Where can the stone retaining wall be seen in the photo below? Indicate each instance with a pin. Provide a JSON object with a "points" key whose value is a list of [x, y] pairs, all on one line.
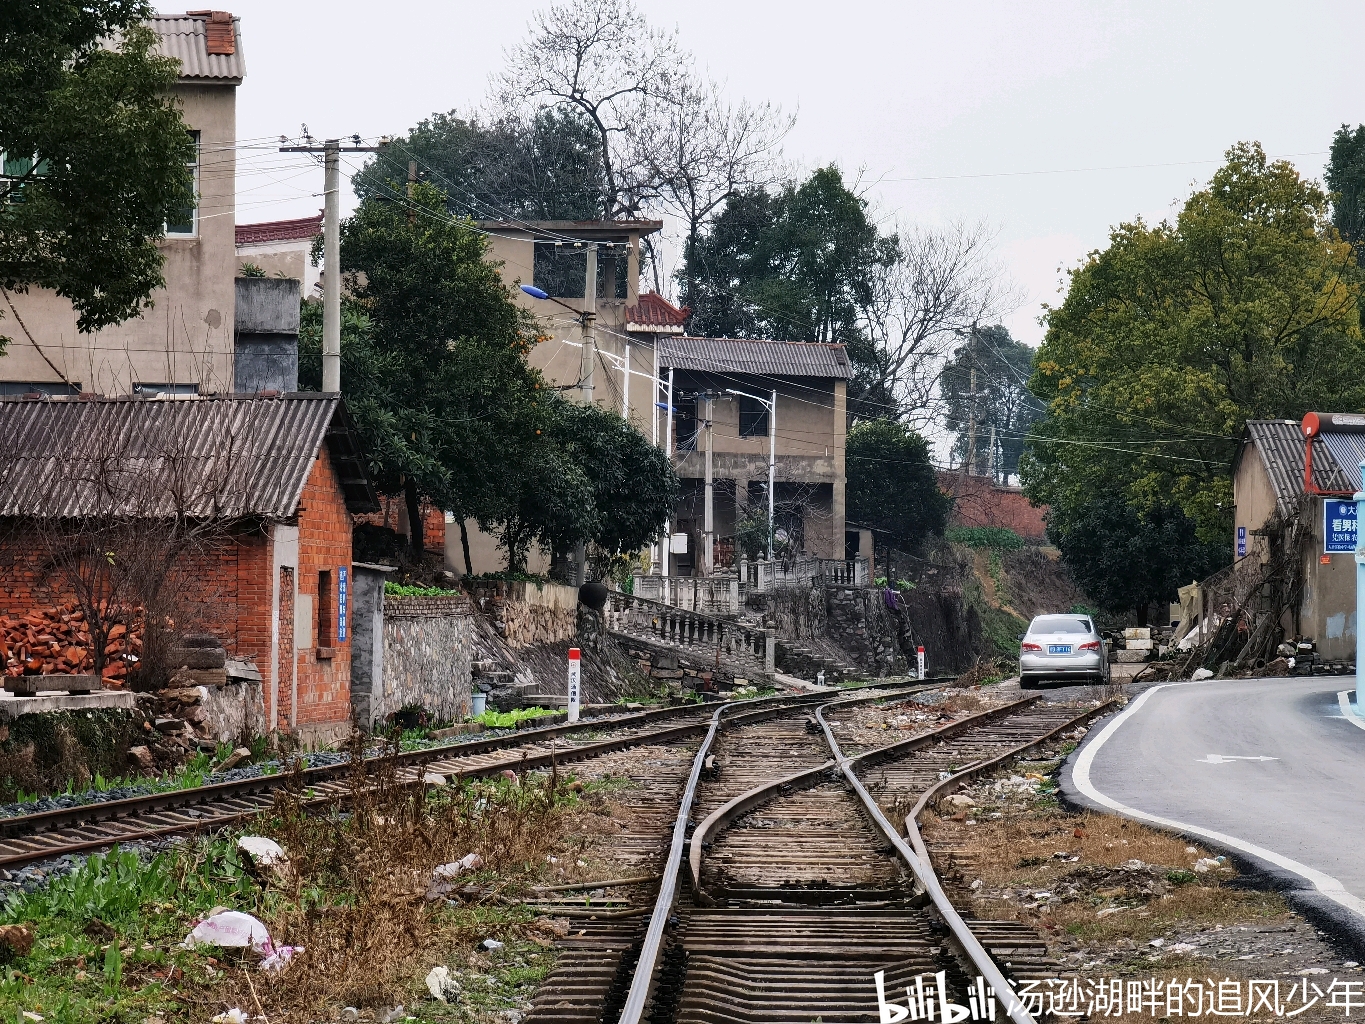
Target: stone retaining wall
{"points": [[428, 656], [858, 620], [524, 614]]}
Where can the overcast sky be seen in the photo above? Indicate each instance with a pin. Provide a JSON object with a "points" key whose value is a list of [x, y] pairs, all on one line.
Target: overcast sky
{"points": [[1052, 121]]}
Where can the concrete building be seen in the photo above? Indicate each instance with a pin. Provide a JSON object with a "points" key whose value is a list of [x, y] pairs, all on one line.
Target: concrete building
{"points": [[183, 344], [638, 338], [722, 393], [1286, 472]]}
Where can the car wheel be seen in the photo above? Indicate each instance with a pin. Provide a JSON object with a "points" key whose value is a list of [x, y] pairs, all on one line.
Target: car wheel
{"points": [[1027, 683]]}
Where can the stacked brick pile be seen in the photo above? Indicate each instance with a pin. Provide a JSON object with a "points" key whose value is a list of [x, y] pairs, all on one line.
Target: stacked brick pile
{"points": [[56, 641], [1135, 647]]}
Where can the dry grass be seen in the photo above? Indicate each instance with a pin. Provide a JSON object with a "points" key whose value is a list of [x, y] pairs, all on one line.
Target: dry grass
{"points": [[357, 897]]}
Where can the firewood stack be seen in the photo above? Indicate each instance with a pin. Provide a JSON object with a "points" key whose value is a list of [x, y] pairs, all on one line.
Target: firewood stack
{"points": [[56, 641]]}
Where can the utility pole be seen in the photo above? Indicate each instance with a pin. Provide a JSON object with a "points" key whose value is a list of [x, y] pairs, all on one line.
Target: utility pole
{"points": [[585, 373], [990, 454], [668, 454], [772, 469], [971, 420], [709, 528], [412, 185], [331, 151]]}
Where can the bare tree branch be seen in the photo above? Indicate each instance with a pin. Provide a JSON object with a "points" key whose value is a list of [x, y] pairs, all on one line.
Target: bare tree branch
{"points": [[943, 282], [602, 57]]}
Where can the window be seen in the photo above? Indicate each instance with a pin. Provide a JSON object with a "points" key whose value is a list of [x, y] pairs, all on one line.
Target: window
{"points": [[561, 269], [685, 424], [753, 417], [147, 388], [24, 387], [184, 222], [16, 173], [325, 608]]}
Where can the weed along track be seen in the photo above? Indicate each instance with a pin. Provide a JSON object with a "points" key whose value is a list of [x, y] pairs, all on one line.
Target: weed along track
{"points": [[89, 827], [788, 889]]}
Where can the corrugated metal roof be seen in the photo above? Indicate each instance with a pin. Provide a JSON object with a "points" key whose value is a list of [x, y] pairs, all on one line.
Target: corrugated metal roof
{"points": [[768, 358], [1349, 452], [185, 37], [220, 455], [1280, 446]]}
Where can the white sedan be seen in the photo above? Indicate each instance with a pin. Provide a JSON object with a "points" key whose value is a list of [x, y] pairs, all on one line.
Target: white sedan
{"points": [[1062, 647]]}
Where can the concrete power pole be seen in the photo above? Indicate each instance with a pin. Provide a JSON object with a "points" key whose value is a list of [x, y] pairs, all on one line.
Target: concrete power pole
{"points": [[331, 257], [971, 419], [331, 151], [708, 523], [586, 372]]}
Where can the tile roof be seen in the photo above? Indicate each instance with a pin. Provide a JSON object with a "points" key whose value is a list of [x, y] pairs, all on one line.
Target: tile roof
{"points": [[208, 45], [279, 230], [246, 455], [655, 314], [1280, 444], [743, 355]]}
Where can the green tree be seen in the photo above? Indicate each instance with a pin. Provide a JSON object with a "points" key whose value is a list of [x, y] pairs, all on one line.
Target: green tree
{"points": [[1127, 558], [892, 487], [999, 403], [1345, 176], [795, 265], [433, 358], [544, 167], [1175, 335], [94, 154], [593, 478]]}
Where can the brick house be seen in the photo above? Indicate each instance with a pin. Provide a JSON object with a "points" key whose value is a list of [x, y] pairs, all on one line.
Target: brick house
{"points": [[283, 475]]}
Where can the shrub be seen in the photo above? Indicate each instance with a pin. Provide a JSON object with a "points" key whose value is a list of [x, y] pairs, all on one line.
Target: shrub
{"points": [[997, 538]]}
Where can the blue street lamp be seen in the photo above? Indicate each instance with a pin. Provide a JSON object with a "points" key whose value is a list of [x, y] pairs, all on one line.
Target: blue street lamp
{"points": [[534, 292]]}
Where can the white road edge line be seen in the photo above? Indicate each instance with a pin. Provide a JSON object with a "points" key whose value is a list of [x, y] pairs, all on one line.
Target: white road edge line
{"points": [[1348, 712], [1323, 883]]}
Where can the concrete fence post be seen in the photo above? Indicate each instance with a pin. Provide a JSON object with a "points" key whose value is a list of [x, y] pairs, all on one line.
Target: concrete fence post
{"points": [[769, 655]]}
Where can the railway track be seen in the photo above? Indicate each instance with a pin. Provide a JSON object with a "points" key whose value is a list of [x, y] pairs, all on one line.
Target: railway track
{"points": [[25, 839], [798, 889]]}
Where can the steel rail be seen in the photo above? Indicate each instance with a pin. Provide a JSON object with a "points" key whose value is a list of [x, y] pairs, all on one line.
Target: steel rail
{"points": [[759, 795], [948, 785], [924, 871], [632, 1012], [125, 813]]}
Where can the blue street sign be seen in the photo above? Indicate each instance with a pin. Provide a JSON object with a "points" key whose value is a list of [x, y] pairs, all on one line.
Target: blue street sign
{"points": [[342, 572], [1338, 526], [1241, 542]]}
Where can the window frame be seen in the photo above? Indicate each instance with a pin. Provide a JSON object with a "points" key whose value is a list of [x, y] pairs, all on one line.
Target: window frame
{"points": [[193, 167], [749, 419], [325, 606]]}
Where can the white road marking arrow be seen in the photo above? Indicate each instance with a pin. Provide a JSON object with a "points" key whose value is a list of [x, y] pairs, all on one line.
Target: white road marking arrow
{"points": [[1229, 758]]}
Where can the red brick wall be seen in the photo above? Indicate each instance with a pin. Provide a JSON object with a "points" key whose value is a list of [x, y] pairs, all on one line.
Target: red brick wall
{"points": [[324, 544], [218, 588], [433, 521], [981, 503]]}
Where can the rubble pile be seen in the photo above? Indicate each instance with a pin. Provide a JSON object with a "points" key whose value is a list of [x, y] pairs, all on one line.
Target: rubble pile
{"points": [[1134, 647], [56, 641]]}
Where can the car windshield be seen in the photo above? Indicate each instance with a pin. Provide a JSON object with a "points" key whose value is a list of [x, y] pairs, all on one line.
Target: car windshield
{"points": [[1059, 624]]}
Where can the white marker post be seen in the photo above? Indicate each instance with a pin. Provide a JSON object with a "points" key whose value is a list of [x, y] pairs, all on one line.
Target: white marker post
{"points": [[919, 657], [575, 681]]}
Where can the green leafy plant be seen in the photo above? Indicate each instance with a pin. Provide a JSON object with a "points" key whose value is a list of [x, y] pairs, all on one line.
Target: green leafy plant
{"points": [[507, 719], [402, 590], [251, 270], [996, 538]]}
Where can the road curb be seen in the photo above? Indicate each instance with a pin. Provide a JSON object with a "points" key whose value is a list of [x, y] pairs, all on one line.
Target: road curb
{"points": [[1345, 928]]}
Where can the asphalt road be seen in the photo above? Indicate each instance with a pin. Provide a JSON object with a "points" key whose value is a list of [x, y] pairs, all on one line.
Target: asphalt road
{"points": [[1268, 769]]}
